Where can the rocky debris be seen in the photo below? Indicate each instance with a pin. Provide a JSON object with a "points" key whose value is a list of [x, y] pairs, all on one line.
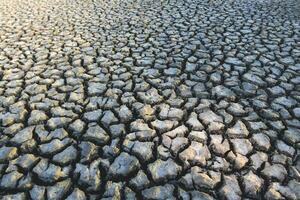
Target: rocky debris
{"points": [[149, 99]]}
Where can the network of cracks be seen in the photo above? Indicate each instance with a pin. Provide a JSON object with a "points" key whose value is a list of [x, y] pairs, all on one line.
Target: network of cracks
{"points": [[111, 99]]}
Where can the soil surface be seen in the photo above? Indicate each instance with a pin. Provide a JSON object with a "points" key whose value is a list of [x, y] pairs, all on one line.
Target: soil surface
{"points": [[111, 99]]}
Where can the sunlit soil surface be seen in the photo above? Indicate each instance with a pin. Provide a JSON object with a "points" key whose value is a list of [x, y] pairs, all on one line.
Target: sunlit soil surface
{"points": [[149, 99]]}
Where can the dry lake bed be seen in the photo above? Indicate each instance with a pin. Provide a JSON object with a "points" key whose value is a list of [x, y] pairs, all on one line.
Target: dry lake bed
{"points": [[160, 99]]}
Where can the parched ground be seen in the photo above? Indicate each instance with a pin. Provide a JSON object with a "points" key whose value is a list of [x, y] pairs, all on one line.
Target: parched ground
{"points": [[135, 99]]}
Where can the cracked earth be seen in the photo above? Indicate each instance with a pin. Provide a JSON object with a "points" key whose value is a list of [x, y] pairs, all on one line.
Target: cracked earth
{"points": [[149, 99]]}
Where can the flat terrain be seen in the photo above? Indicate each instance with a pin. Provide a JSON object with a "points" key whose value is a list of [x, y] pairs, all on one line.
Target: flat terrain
{"points": [[135, 99]]}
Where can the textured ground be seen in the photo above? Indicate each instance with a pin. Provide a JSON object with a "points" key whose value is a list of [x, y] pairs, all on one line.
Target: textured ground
{"points": [[149, 99]]}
